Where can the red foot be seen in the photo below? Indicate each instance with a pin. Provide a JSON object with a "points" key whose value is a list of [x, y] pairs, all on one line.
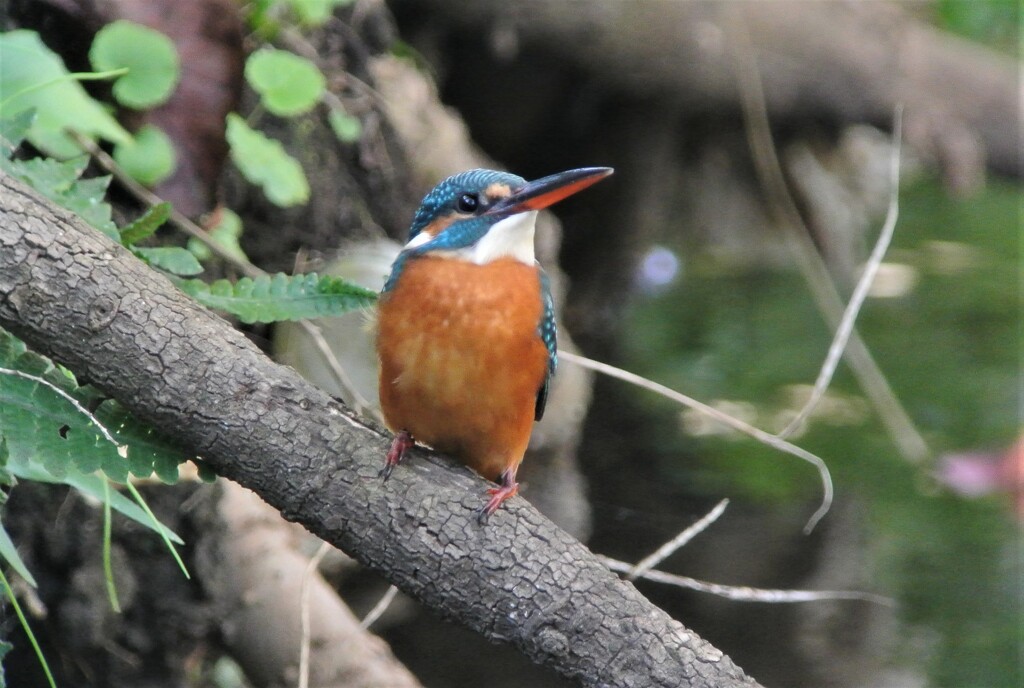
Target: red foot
{"points": [[508, 488], [403, 442]]}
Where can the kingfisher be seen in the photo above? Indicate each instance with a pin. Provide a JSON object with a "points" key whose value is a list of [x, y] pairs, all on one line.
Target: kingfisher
{"points": [[466, 332]]}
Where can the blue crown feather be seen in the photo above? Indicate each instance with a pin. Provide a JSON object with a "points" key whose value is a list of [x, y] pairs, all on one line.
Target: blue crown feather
{"points": [[442, 197]]}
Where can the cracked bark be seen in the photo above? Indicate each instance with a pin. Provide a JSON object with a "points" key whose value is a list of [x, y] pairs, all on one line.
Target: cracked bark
{"points": [[74, 295]]}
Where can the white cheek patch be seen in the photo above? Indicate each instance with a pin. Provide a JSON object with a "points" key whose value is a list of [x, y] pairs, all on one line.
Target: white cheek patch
{"points": [[419, 240], [508, 238]]}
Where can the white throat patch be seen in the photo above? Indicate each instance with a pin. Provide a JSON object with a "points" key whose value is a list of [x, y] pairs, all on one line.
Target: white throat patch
{"points": [[508, 238]]}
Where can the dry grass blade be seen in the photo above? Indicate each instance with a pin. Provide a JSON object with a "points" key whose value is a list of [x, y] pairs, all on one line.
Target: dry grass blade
{"points": [[845, 329], [747, 594], [666, 550], [359, 402], [781, 204], [307, 576], [378, 609], [725, 419]]}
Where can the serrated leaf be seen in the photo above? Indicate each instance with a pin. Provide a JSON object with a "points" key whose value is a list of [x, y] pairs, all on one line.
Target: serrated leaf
{"points": [[33, 77], [41, 425], [45, 430], [173, 259], [281, 297], [145, 226], [85, 199], [48, 176], [59, 182], [264, 162], [14, 129], [149, 158], [150, 57], [347, 128], [148, 451], [288, 85]]}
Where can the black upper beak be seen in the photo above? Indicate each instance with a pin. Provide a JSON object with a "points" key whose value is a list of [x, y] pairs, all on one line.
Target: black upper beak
{"points": [[549, 190]]}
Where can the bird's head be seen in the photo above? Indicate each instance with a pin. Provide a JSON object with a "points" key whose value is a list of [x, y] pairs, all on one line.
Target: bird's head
{"points": [[482, 215]]}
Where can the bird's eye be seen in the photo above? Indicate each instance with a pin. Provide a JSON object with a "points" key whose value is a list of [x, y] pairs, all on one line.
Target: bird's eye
{"points": [[467, 203]]}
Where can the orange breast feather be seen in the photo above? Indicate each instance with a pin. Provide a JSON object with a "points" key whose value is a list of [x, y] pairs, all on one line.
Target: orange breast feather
{"points": [[461, 361]]}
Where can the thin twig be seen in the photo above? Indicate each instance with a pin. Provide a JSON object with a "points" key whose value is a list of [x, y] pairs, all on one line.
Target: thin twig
{"points": [[150, 199], [359, 402], [379, 608], [845, 328], [307, 578], [736, 424], [748, 594], [666, 550], [872, 380]]}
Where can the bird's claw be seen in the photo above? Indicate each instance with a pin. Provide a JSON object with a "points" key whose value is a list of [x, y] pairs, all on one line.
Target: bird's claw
{"points": [[402, 443], [508, 488]]}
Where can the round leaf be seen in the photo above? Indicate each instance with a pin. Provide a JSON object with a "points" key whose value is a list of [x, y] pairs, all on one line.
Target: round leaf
{"points": [[288, 84], [33, 77], [150, 57], [149, 159]]}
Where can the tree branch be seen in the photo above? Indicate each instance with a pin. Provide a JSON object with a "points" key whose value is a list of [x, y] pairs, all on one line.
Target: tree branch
{"points": [[71, 293], [850, 61]]}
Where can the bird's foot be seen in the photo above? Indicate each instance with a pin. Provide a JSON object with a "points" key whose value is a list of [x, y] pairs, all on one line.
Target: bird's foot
{"points": [[507, 488], [402, 443]]}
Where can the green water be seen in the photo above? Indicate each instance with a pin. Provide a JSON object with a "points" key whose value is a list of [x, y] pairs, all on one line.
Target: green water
{"points": [[950, 348]]}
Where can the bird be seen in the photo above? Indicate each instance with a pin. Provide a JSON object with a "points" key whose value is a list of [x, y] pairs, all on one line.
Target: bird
{"points": [[466, 333]]}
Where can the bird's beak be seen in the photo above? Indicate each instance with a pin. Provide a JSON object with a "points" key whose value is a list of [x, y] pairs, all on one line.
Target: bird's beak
{"points": [[549, 190]]}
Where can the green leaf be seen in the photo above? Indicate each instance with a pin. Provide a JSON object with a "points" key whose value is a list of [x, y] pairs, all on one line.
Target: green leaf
{"points": [[149, 158], [148, 451], [264, 162], [45, 431], [13, 599], [6, 477], [145, 226], [316, 12], [33, 77], [281, 297], [150, 57], [93, 485], [288, 84], [48, 176], [226, 234], [173, 259], [13, 131], [9, 553], [84, 198], [347, 128], [59, 182], [5, 647]]}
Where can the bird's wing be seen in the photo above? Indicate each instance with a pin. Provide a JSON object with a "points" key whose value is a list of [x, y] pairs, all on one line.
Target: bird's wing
{"points": [[548, 331]]}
